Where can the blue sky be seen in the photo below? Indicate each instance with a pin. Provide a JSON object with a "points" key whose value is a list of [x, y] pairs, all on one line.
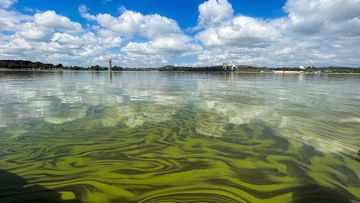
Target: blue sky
{"points": [[185, 12], [151, 33]]}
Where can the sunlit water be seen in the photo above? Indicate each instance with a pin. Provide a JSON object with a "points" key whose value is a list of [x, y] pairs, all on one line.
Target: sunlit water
{"points": [[179, 137]]}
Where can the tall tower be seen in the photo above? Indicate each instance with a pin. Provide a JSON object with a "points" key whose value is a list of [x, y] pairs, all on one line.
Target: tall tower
{"points": [[110, 65]]}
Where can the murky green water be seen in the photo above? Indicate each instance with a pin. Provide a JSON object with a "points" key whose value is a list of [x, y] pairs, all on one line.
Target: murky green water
{"points": [[179, 137]]}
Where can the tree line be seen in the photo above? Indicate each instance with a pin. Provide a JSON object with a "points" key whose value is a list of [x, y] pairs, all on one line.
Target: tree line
{"points": [[29, 65]]}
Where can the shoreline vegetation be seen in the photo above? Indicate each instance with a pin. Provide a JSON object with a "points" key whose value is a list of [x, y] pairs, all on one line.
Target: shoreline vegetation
{"points": [[22, 65]]}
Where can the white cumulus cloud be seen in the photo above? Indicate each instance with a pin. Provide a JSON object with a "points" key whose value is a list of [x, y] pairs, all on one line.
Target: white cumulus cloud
{"points": [[7, 3], [213, 12], [51, 20], [131, 23], [165, 45], [240, 31]]}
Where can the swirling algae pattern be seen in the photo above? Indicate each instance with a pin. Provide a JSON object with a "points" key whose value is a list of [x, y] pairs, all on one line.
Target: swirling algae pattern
{"points": [[170, 161], [182, 151]]}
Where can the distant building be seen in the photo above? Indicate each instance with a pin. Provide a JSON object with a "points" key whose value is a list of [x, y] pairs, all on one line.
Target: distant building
{"points": [[110, 65], [229, 67]]}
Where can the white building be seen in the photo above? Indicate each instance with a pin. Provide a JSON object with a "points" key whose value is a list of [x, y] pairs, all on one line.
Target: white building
{"points": [[229, 67]]}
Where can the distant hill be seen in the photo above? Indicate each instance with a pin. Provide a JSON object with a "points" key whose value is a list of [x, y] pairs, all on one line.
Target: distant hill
{"points": [[188, 68]]}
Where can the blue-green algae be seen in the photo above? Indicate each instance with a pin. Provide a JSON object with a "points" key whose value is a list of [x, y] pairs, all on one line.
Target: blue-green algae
{"points": [[179, 137]]}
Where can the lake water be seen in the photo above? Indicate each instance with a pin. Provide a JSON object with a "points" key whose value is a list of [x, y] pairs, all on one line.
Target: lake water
{"points": [[179, 137]]}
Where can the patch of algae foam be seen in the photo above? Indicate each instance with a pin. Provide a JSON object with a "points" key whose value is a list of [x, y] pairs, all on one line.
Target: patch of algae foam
{"points": [[235, 113], [213, 116], [136, 115], [67, 116], [67, 195]]}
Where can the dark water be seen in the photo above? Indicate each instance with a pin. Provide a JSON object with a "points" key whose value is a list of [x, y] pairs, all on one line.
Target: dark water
{"points": [[179, 137]]}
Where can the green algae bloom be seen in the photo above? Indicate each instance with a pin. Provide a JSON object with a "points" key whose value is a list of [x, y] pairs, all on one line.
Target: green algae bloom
{"points": [[179, 137]]}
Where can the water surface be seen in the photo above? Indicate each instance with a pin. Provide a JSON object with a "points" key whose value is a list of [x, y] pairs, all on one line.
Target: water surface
{"points": [[179, 137]]}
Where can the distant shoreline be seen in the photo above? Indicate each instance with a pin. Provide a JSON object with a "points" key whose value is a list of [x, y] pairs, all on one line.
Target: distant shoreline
{"points": [[169, 71], [29, 66]]}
